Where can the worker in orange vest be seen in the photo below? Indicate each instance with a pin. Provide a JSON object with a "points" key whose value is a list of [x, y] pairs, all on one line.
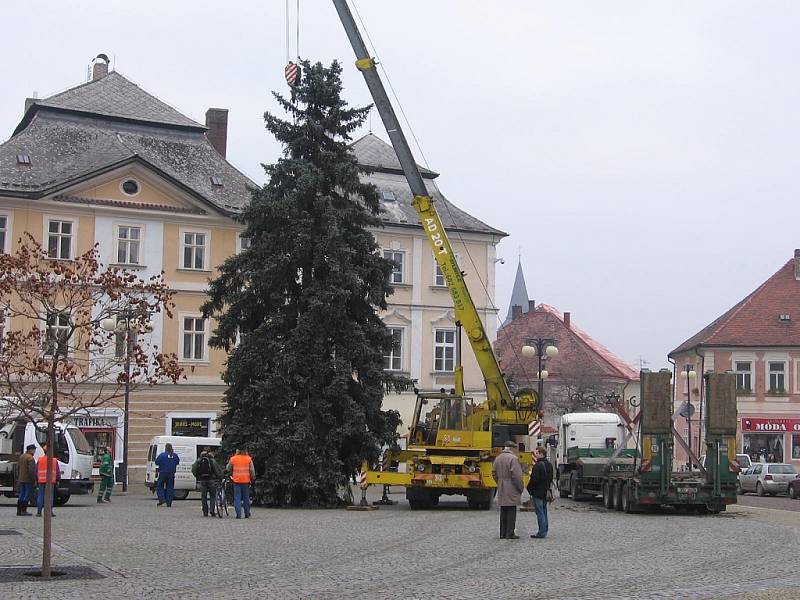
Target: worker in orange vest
{"points": [[243, 473], [41, 478]]}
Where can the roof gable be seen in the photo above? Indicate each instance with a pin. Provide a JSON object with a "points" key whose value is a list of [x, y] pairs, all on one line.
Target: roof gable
{"points": [[754, 321], [115, 97]]}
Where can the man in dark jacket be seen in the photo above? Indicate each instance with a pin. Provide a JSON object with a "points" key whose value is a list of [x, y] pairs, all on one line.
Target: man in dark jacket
{"points": [[208, 474], [167, 463], [541, 479], [26, 479]]}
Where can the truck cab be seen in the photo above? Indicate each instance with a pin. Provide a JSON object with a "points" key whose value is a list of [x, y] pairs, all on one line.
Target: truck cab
{"points": [[73, 452]]}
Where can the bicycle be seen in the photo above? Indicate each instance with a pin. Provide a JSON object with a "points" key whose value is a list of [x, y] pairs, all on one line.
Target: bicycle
{"points": [[220, 499]]}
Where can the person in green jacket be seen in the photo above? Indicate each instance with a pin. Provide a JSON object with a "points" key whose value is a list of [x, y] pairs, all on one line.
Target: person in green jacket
{"points": [[106, 476]]}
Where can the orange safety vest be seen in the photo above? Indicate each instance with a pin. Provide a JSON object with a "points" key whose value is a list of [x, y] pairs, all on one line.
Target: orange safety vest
{"points": [[241, 468], [41, 469]]}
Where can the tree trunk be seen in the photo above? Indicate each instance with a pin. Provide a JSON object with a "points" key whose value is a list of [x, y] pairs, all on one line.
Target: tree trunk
{"points": [[47, 534]]}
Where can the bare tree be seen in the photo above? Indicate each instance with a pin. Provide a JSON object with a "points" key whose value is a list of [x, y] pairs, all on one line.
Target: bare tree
{"points": [[580, 388], [57, 360]]}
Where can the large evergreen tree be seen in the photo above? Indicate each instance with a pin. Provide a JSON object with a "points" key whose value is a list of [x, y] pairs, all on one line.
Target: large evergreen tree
{"points": [[297, 309]]}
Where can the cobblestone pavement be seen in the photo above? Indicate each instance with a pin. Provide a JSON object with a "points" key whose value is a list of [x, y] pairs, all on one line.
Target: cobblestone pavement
{"points": [[449, 553]]}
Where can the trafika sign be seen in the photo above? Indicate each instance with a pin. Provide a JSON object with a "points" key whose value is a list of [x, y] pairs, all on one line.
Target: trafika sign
{"points": [[766, 425]]}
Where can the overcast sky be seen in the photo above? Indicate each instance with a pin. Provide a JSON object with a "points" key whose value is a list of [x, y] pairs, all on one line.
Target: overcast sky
{"points": [[639, 154]]}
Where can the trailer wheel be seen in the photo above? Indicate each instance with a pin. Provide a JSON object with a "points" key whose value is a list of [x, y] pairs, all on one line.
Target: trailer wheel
{"points": [[574, 488], [479, 500], [628, 505], [608, 496], [418, 499], [617, 491]]}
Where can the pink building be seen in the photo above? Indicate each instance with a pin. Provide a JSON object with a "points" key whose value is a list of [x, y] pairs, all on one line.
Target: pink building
{"points": [[759, 340]]}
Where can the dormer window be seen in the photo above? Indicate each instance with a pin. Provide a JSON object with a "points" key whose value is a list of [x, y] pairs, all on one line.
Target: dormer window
{"points": [[23, 159], [785, 317], [388, 196], [216, 181]]}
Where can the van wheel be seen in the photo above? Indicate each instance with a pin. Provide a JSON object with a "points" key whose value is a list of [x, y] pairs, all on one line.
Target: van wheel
{"points": [[181, 494], [61, 499]]}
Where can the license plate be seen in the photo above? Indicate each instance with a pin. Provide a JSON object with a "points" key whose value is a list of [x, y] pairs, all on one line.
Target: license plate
{"points": [[686, 490], [438, 477]]}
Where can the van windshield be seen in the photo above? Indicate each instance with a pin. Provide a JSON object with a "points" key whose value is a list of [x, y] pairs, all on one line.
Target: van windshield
{"points": [[81, 443]]}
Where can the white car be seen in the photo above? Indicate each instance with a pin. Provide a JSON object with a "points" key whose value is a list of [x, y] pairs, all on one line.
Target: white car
{"points": [[767, 478]]}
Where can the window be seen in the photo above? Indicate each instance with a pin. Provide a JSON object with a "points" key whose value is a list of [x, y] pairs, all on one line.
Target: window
{"points": [[763, 447], [3, 232], [388, 196], [194, 250], [244, 243], [396, 257], [744, 381], [130, 187], [56, 335], [194, 338], [796, 446], [438, 276], [777, 376], [129, 241], [59, 239], [444, 350], [393, 361]]}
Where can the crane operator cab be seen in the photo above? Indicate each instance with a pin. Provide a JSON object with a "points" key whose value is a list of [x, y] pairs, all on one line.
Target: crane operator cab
{"points": [[446, 420]]}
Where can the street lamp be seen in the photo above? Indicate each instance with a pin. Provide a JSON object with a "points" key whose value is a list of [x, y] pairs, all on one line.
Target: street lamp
{"points": [[127, 323], [544, 348], [689, 374]]}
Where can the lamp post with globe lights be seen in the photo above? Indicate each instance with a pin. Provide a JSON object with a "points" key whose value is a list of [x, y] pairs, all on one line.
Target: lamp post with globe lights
{"points": [[689, 374], [127, 324], [544, 348]]}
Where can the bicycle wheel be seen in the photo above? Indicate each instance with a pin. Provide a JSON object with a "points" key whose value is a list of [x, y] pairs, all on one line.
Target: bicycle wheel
{"points": [[222, 505]]}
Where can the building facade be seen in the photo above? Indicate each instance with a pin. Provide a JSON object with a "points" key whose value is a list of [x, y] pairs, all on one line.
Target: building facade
{"points": [[107, 164], [759, 340]]}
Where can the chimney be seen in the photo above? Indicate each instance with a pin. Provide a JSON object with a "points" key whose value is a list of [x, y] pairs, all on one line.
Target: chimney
{"points": [[28, 103], [217, 134], [797, 264], [516, 312], [531, 305], [99, 67], [567, 320]]}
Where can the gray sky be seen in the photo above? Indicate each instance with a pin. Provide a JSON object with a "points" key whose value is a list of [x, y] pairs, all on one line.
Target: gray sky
{"points": [[639, 154]]}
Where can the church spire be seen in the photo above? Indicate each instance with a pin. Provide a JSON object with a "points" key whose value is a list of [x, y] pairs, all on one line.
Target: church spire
{"points": [[519, 295]]}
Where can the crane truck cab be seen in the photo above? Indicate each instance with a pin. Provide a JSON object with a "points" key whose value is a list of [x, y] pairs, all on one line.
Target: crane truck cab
{"points": [[72, 450]]}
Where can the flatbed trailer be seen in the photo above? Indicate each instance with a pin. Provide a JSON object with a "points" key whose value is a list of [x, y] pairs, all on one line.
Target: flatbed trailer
{"points": [[633, 480]]}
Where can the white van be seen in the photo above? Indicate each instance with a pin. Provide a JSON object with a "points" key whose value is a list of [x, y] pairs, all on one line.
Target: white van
{"points": [[71, 449], [188, 449]]}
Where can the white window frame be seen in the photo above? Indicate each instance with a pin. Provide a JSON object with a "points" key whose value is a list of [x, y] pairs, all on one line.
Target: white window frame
{"points": [[211, 416], [206, 249], [749, 372], [181, 341], [240, 247], [118, 240], [47, 328], [768, 362], [437, 272], [392, 356], [402, 270], [444, 346], [5, 247], [73, 236]]}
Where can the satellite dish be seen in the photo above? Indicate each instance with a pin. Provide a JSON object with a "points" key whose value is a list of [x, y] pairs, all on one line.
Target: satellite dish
{"points": [[686, 410]]}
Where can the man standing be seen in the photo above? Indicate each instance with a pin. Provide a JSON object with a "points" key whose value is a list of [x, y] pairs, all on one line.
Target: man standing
{"points": [[539, 484], [41, 477], [106, 476], [26, 480], [167, 463], [207, 472], [507, 472], [242, 473]]}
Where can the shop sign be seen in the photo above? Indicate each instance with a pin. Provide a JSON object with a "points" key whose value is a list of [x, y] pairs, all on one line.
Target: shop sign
{"points": [[771, 425], [94, 421]]}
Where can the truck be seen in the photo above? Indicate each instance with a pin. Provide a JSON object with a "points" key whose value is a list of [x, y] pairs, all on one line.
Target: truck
{"points": [[71, 448], [593, 457], [453, 439]]}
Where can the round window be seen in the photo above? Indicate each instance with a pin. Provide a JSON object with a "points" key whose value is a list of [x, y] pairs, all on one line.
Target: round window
{"points": [[130, 187]]}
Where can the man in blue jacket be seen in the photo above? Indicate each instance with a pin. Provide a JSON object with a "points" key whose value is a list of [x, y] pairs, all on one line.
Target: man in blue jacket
{"points": [[167, 463]]}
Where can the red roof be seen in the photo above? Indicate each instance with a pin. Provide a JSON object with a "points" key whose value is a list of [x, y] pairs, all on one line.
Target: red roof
{"points": [[756, 320], [576, 347]]}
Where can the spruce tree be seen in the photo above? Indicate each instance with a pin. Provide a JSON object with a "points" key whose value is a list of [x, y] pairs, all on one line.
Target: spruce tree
{"points": [[297, 310]]}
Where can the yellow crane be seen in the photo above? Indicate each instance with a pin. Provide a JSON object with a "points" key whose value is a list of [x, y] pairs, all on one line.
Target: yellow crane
{"points": [[452, 440]]}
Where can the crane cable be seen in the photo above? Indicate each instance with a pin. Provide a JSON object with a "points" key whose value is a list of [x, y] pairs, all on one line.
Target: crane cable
{"points": [[288, 30], [446, 203]]}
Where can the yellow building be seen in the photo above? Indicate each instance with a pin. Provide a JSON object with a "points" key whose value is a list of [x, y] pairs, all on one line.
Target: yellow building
{"points": [[107, 163]]}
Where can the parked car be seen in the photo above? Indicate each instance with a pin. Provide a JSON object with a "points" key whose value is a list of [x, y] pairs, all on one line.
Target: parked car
{"points": [[767, 478], [794, 488], [742, 459]]}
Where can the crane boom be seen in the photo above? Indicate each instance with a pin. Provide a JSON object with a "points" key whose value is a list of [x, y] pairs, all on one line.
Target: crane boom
{"points": [[497, 391]]}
